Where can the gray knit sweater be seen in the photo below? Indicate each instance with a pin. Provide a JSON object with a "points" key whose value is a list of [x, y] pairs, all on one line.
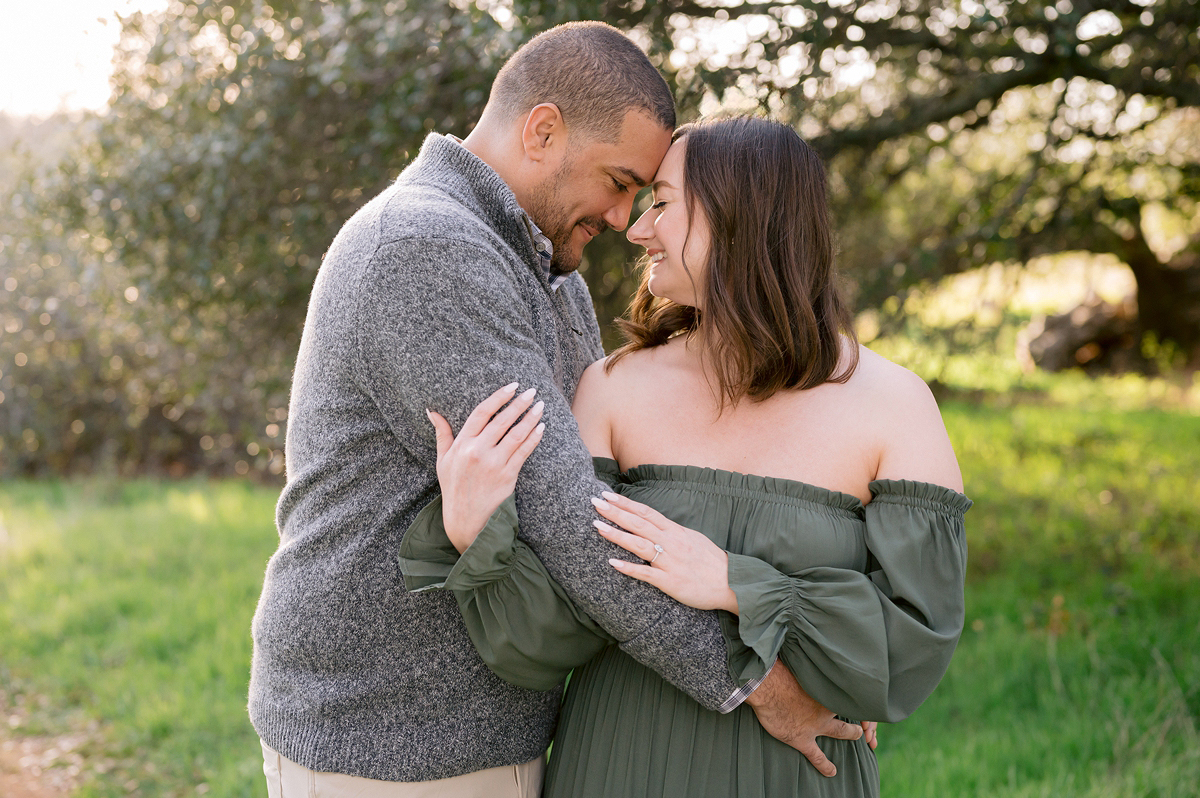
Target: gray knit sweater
{"points": [[431, 296]]}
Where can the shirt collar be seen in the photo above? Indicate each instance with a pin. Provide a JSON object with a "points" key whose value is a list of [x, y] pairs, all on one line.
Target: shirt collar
{"points": [[541, 244]]}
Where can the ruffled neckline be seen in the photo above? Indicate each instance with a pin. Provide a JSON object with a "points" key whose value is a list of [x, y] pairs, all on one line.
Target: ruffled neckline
{"points": [[752, 484]]}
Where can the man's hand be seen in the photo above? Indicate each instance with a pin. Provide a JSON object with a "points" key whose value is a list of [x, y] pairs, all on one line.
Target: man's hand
{"points": [[792, 716], [871, 732]]}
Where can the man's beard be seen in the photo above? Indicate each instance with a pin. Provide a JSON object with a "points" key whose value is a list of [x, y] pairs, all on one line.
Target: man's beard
{"points": [[547, 211]]}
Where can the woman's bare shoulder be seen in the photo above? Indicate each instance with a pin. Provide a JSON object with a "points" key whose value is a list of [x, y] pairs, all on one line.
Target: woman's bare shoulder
{"points": [[608, 375], [635, 368], [888, 386], [593, 385], [898, 405]]}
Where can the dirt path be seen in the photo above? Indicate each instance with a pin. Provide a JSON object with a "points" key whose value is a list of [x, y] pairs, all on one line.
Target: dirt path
{"points": [[37, 767]]}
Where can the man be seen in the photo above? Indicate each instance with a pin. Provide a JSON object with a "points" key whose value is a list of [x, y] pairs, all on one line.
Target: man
{"points": [[456, 280]]}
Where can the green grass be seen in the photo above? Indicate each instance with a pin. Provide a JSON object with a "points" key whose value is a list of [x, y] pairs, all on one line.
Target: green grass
{"points": [[1078, 673], [1066, 491], [1088, 686], [129, 603]]}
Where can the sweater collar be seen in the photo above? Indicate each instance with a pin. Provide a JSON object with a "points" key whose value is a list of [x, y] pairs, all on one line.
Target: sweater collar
{"points": [[444, 162]]}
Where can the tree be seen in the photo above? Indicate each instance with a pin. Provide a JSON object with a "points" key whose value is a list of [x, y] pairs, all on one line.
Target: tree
{"points": [[242, 134], [957, 132]]}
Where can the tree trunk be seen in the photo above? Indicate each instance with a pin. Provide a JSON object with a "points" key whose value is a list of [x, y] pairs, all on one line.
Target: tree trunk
{"points": [[1168, 297]]}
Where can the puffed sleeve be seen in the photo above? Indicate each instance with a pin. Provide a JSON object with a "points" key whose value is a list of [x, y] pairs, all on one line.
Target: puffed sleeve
{"points": [[869, 646], [521, 621]]}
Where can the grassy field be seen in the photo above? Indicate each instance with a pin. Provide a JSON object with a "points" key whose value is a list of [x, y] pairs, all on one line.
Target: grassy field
{"points": [[125, 608], [130, 603]]}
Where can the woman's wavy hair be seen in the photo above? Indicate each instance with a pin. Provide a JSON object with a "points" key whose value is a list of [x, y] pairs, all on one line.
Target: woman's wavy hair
{"points": [[773, 316]]}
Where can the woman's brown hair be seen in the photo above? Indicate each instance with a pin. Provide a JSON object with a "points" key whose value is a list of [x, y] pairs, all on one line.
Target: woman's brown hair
{"points": [[773, 316]]}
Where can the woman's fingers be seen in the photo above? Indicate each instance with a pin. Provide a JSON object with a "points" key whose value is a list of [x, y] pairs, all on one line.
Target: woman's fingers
{"points": [[505, 418], [518, 458], [486, 409], [518, 433], [642, 573], [442, 431], [631, 515], [634, 544]]}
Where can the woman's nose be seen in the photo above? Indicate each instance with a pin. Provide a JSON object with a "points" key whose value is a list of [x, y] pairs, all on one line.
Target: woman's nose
{"points": [[642, 229]]}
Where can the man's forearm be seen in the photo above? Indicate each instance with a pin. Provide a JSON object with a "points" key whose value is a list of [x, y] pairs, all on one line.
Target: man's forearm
{"points": [[686, 646]]}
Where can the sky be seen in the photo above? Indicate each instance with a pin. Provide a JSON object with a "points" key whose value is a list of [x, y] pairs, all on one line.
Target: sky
{"points": [[57, 54]]}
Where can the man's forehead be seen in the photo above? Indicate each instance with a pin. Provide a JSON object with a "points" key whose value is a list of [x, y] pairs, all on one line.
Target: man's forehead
{"points": [[641, 148]]}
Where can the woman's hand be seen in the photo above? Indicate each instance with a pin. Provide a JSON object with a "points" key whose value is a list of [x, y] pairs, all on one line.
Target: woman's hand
{"points": [[680, 562], [478, 469]]}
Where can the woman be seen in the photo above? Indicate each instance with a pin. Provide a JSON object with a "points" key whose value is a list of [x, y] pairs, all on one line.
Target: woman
{"points": [[811, 491]]}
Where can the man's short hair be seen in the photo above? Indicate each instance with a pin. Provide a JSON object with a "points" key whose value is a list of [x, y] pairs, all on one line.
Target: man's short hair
{"points": [[592, 72]]}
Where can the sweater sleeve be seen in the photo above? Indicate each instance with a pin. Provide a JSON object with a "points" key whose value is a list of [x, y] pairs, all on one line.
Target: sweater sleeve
{"points": [[869, 646], [442, 324], [521, 622]]}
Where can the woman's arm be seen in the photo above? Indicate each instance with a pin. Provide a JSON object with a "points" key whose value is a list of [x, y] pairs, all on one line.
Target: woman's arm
{"points": [[530, 633], [913, 440], [866, 645], [521, 622]]}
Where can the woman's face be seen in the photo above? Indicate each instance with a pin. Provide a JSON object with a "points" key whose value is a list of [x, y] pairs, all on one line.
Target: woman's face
{"points": [[677, 254]]}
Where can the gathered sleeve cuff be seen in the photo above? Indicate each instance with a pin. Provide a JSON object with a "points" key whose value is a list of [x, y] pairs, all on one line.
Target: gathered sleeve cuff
{"points": [[521, 622], [869, 646], [426, 554]]}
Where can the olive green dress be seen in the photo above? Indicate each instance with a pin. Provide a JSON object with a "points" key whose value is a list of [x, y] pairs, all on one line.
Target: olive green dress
{"points": [[864, 604]]}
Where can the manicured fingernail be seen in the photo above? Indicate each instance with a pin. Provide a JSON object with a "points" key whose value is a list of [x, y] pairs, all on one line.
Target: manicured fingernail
{"points": [[512, 386], [608, 494], [429, 414], [537, 408], [618, 564], [600, 503], [539, 429], [529, 394]]}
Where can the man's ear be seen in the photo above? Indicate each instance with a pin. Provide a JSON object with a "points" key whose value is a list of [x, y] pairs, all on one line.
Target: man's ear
{"points": [[544, 135]]}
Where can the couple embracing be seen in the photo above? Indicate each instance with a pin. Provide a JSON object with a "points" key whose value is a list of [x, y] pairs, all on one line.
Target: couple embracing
{"points": [[741, 534]]}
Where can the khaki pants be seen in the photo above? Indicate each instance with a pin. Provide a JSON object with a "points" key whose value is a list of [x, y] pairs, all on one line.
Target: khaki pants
{"points": [[287, 779]]}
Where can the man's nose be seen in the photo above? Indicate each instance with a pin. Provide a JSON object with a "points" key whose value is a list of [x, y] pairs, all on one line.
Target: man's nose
{"points": [[618, 215]]}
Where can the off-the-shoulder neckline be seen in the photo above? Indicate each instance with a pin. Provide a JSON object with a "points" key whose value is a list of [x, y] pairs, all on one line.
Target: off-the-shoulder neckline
{"points": [[806, 490]]}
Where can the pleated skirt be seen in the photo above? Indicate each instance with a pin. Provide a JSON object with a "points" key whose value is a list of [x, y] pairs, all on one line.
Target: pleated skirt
{"points": [[624, 732]]}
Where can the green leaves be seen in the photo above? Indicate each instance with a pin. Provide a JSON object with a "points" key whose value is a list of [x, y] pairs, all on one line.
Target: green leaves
{"points": [[243, 133]]}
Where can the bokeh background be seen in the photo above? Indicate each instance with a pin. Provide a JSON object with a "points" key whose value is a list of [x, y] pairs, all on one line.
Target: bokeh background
{"points": [[1015, 186]]}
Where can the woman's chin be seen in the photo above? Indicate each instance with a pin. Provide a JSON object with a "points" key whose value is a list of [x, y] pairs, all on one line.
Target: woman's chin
{"points": [[678, 297], [658, 287]]}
